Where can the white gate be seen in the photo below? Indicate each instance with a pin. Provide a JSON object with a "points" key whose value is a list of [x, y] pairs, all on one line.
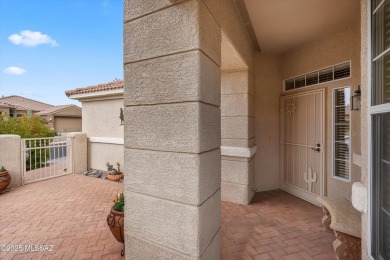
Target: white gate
{"points": [[45, 158]]}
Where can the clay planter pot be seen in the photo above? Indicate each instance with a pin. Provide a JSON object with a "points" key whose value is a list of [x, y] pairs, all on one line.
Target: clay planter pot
{"points": [[5, 180], [115, 177], [115, 221]]}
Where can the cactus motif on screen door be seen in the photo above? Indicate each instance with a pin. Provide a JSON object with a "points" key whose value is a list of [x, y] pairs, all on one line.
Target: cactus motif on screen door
{"points": [[303, 141]]}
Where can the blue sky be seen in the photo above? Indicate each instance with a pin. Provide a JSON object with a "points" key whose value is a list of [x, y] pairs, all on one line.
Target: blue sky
{"points": [[50, 46]]}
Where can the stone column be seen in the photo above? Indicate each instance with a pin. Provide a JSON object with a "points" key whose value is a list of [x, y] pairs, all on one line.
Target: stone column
{"points": [[172, 130], [238, 136]]}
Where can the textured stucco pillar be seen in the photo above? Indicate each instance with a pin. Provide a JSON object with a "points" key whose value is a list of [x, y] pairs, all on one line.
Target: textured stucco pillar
{"points": [[238, 136], [172, 130], [78, 160], [365, 83], [10, 158]]}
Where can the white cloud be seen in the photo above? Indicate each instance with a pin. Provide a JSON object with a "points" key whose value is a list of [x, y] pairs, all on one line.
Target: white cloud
{"points": [[14, 71], [31, 39]]}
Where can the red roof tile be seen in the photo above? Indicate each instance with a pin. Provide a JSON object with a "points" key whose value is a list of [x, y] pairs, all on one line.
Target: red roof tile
{"points": [[101, 87]]}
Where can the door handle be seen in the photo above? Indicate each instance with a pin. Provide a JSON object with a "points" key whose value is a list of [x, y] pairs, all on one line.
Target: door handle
{"points": [[316, 149]]}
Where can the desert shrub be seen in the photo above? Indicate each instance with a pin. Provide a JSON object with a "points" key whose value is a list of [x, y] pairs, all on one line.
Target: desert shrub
{"points": [[26, 127], [29, 127]]}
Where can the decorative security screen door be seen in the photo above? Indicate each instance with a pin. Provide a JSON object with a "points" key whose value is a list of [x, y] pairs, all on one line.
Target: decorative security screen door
{"points": [[302, 138]]}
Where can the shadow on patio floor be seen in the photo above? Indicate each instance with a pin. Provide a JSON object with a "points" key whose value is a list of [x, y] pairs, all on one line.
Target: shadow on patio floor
{"points": [[276, 225]]}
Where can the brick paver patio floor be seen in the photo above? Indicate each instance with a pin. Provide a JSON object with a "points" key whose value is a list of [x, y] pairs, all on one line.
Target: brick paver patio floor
{"points": [[67, 212], [70, 213], [276, 225]]}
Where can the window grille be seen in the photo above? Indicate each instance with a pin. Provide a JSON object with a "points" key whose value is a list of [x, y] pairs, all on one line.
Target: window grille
{"points": [[341, 136], [320, 76]]}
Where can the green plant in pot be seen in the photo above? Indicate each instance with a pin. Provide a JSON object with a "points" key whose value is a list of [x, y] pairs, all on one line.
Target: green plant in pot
{"points": [[115, 219], [5, 179]]}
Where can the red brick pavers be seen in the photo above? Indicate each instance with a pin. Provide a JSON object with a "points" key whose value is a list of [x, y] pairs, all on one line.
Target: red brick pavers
{"points": [[68, 212], [276, 225]]}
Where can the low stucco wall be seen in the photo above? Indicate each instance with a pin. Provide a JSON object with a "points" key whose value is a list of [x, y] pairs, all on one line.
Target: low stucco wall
{"points": [[101, 153], [10, 158], [78, 161]]}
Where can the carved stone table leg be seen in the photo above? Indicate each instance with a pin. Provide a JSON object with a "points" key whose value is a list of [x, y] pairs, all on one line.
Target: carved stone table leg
{"points": [[326, 220], [346, 246]]}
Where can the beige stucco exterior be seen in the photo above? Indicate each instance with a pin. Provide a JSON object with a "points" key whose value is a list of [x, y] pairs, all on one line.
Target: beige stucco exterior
{"points": [[4, 110], [10, 158], [99, 153], [103, 127], [67, 124], [101, 118], [268, 71], [365, 83], [338, 47]]}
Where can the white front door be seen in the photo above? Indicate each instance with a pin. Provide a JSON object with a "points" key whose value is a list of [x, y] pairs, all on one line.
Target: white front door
{"points": [[302, 138]]}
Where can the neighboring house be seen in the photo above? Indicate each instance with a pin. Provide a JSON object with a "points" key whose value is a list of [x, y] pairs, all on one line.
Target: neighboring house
{"points": [[5, 109], [100, 121], [21, 105], [61, 119]]}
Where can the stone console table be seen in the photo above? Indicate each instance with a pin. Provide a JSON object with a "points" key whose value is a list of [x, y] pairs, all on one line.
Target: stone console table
{"points": [[345, 221]]}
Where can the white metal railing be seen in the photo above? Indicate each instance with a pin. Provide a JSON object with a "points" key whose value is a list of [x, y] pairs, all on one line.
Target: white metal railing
{"points": [[45, 158]]}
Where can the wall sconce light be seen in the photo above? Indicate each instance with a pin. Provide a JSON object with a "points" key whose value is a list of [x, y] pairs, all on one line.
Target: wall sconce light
{"points": [[355, 99]]}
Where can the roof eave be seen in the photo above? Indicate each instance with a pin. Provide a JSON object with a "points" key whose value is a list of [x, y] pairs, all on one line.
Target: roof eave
{"points": [[97, 94]]}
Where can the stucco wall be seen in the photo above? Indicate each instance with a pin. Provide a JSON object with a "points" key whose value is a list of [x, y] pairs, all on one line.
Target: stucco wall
{"points": [[268, 81], [101, 118], [365, 77], [343, 45], [4, 110], [101, 153], [10, 158], [67, 124], [234, 35]]}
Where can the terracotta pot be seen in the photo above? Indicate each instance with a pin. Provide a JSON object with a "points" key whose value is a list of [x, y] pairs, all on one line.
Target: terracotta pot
{"points": [[115, 221], [5, 180], [115, 177]]}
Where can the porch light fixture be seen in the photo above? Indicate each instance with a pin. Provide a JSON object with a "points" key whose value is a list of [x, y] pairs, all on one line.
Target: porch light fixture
{"points": [[355, 100]]}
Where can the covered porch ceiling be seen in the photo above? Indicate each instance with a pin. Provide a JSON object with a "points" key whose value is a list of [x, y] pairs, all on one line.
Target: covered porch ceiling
{"points": [[282, 25]]}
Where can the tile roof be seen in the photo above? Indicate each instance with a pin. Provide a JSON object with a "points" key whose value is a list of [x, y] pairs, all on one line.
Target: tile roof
{"points": [[56, 109], [97, 88], [5, 105], [23, 103]]}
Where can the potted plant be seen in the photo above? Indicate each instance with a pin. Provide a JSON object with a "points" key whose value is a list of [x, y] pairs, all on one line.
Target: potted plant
{"points": [[115, 219], [114, 174], [5, 179]]}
